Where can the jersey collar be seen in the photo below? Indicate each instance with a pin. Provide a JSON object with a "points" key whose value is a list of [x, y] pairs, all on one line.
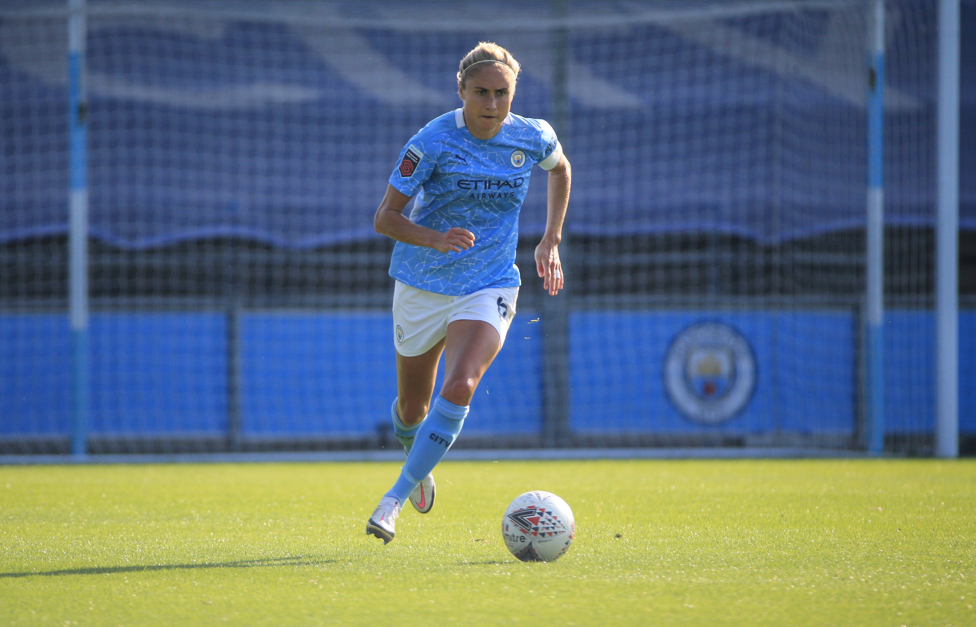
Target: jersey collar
{"points": [[459, 118]]}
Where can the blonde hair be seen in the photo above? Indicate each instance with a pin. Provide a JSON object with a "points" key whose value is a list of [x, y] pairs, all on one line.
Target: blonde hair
{"points": [[484, 53]]}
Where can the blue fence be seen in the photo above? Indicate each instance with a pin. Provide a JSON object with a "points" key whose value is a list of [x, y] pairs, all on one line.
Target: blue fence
{"points": [[332, 375]]}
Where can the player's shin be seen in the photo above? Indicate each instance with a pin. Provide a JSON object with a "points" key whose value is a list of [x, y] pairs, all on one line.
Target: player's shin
{"points": [[434, 438], [402, 432]]}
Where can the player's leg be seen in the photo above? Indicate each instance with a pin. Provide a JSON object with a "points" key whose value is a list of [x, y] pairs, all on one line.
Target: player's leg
{"points": [[472, 340], [415, 386], [419, 320], [416, 376], [475, 334], [469, 349], [419, 327]]}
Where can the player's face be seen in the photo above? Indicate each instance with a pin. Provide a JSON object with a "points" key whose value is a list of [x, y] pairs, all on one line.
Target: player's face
{"points": [[487, 96]]}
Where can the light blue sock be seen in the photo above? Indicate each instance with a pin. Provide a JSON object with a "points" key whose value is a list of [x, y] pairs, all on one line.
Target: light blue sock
{"points": [[434, 437], [402, 432]]}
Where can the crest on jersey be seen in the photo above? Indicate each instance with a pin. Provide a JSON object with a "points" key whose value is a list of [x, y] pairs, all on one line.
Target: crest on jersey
{"points": [[518, 159], [411, 159]]}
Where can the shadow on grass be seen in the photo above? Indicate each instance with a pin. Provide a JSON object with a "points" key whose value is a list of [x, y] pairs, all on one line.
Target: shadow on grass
{"points": [[297, 560], [485, 563]]}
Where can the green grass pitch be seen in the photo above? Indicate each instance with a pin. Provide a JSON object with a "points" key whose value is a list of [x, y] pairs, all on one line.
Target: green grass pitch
{"points": [[749, 542]]}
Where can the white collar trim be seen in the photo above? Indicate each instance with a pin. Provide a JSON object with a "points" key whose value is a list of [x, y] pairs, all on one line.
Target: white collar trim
{"points": [[459, 117]]}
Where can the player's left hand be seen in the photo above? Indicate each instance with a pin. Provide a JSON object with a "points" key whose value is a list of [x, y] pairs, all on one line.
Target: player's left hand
{"points": [[549, 267]]}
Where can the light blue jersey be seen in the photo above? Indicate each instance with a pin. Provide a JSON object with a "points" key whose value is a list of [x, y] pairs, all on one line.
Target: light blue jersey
{"points": [[460, 180]]}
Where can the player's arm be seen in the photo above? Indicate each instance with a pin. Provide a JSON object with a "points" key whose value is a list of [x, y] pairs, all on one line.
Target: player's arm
{"points": [[547, 260], [390, 221]]}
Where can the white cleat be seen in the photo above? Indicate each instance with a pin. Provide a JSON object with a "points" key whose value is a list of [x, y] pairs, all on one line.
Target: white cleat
{"points": [[383, 521], [422, 497]]}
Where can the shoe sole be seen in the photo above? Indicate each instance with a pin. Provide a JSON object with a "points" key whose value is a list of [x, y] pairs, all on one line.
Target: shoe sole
{"points": [[372, 529]]}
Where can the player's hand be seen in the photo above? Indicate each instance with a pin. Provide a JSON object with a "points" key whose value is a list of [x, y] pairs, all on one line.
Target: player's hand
{"points": [[454, 240], [549, 267]]}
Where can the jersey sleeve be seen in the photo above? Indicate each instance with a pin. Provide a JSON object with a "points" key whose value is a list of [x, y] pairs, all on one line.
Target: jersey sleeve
{"points": [[551, 151], [413, 168]]}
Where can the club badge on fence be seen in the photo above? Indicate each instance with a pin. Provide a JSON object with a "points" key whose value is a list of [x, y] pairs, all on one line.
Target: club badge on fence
{"points": [[710, 372]]}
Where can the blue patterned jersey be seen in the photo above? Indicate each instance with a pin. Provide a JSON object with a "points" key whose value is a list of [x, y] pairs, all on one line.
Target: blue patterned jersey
{"points": [[460, 180]]}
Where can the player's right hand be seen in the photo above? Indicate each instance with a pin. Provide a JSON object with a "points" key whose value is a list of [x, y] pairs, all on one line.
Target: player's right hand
{"points": [[454, 240]]}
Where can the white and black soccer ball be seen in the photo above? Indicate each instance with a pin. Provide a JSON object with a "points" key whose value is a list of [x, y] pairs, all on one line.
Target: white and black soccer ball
{"points": [[538, 527]]}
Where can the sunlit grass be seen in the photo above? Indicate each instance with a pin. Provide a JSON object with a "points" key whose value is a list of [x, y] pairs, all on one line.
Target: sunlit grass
{"points": [[705, 542]]}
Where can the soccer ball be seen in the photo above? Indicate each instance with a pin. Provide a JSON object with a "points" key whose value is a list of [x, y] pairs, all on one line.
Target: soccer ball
{"points": [[538, 527]]}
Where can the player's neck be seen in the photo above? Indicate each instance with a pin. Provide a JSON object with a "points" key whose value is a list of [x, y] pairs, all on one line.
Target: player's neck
{"points": [[483, 134]]}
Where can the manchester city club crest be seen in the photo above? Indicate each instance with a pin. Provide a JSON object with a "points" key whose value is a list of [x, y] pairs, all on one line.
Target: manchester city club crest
{"points": [[710, 372], [518, 159]]}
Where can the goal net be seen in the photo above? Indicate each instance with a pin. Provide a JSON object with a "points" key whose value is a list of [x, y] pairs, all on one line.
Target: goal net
{"points": [[238, 295]]}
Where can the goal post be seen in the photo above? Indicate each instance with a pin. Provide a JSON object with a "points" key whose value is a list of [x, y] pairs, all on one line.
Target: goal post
{"points": [[874, 301], [947, 234], [78, 231]]}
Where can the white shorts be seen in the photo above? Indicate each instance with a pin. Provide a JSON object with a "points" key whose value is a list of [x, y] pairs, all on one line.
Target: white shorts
{"points": [[420, 318]]}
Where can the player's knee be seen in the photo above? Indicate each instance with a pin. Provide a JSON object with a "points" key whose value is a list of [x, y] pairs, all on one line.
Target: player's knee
{"points": [[460, 391]]}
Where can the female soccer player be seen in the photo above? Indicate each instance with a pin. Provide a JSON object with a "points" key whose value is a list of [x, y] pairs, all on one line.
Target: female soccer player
{"points": [[454, 260]]}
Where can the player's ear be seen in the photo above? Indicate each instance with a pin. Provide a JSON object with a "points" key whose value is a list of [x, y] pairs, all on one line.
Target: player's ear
{"points": [[460, 91]]}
